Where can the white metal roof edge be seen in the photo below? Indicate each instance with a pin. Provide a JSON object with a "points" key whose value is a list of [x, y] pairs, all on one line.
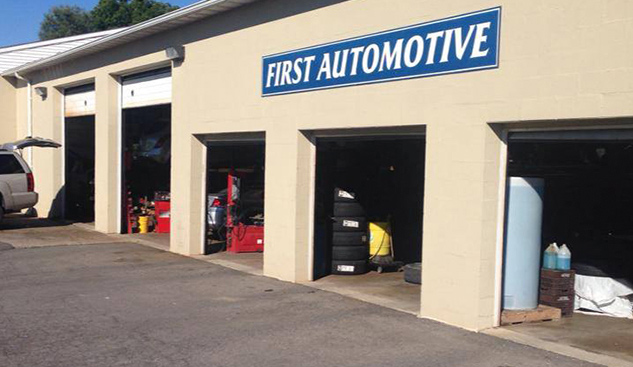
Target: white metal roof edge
{"points": [[130, 33], [56, 41]]}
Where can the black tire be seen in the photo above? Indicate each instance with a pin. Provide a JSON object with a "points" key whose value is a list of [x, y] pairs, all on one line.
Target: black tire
{"points": [[349, 224], [348, 209], [1, 210], [349, 267], [349, 238], [345, 253], [413, 273], [344, 196]]}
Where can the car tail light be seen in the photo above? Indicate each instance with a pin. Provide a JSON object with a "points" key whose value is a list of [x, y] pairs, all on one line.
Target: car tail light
{"points": [[216, 202], [30, 182]]}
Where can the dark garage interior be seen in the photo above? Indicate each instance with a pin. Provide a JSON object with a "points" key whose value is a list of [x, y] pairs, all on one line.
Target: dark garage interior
{"points": [[386, 175], [146, 162], [235, 223], [587, 199], [586, 205], [80, 168]]}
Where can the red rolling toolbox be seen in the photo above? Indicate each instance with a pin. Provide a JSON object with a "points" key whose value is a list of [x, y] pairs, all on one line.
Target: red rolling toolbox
{"points": [[162, 212]]}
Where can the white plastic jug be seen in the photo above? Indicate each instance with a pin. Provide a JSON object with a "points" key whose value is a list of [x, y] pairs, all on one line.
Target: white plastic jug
{"points": [[563, 260]]}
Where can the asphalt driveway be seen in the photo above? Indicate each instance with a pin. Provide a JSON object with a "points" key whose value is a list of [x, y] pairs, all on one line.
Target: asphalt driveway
{"points": [[128, 305]]}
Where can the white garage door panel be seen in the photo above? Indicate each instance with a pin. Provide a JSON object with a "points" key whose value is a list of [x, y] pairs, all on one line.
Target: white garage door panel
{"points": [[147, 90], [574, 135], [79, 104]]}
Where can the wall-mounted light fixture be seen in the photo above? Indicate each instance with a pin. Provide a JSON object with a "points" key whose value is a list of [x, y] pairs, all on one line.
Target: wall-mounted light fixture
{"points": [[41, 91], [175, 53]]}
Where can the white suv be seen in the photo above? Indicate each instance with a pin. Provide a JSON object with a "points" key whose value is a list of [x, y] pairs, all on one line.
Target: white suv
{"points": [[17, 188]]}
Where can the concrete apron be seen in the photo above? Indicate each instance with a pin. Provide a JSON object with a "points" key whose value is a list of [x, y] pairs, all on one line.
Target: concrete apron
{"points": [[250, 263], [21, 232], [387, 290]]}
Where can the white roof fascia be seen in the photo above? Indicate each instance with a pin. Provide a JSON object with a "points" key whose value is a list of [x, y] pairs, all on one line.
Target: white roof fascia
{"points": [[185, 15]]}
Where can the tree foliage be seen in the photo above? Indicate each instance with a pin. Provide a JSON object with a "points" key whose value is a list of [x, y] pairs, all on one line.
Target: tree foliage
{"points": [[142, 10], [64, 21]]}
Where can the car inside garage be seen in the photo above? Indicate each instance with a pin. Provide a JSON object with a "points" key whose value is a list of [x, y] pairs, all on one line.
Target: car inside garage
{"points": [[235, 202], [572, 189], [369, 198]]}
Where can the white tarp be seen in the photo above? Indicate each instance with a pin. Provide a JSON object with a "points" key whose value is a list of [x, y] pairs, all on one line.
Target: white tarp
{"points": [[605, 295]]}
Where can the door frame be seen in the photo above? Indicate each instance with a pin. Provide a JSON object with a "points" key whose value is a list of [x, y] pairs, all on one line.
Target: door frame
{"points": [[504, 131], [361, 132]]}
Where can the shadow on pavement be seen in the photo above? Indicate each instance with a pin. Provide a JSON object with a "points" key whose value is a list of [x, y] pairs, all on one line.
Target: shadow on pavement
{"points": [[20, 221]]}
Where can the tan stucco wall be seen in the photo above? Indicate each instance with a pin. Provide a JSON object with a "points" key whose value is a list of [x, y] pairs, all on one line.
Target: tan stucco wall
{"points": [[555, 63], [8, 108]]}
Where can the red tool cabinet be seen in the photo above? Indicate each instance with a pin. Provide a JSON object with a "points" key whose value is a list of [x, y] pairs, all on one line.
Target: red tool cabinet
{"points": [[163, 216]]}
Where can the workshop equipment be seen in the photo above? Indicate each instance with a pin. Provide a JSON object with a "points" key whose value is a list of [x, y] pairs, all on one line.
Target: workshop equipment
{"points": [[240, 237], [162, 209], [381, 253], [143, 224], [379, 239]]}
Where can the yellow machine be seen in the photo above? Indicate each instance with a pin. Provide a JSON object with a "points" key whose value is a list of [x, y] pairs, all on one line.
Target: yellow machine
{"points": [[379, 239], [143, 224]]}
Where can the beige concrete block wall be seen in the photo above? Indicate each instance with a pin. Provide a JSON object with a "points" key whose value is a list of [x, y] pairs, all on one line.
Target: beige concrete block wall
{"points": [[559, 60], [47, 163], [107, 158], [188, 195], [21, 109], [8, 111]]}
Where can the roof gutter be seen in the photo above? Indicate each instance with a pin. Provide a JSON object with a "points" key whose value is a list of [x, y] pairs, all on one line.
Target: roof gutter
{"points": [[182, 12]]}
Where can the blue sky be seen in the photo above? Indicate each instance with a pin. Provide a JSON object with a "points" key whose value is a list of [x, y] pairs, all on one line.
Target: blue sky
{"points": [[21, 18]]}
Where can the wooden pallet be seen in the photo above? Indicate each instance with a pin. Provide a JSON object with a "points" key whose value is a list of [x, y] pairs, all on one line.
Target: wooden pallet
{"points": [[541, 313]]}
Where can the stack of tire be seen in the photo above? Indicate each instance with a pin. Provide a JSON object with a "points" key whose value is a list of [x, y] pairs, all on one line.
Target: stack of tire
{"points": [[350, 249]]}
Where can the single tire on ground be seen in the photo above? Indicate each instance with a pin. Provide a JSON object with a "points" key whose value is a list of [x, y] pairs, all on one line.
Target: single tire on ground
{"points": [[349, 267], [349, 224], [348, 210], [344, 196], [413, 273], [345, 253], [349, 238]]}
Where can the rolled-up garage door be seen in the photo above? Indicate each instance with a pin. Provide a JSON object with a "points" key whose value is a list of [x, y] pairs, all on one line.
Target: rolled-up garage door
{"points": [[79, 101], [573, 135], [147, 89]]}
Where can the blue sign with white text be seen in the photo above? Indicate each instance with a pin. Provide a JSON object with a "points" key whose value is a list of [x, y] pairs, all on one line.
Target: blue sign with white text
{"points": [[462, 43]]}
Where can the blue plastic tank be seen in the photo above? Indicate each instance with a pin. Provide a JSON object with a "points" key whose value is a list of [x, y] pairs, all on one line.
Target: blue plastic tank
{"points": [[522, 257]]}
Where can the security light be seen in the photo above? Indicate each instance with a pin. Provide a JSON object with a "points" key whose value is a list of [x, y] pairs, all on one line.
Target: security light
{"points": [[41, 91], [175, 53]]}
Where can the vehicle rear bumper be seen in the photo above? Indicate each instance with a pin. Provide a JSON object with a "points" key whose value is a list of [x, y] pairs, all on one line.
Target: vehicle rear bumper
{"points": [[24, 201]]}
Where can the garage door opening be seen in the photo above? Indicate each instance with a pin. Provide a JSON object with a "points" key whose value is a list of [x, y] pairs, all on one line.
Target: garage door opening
{"points": [[79, 153], [369, 196], [572, 188], [147, 165], [146, 161], [235, 203]]}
